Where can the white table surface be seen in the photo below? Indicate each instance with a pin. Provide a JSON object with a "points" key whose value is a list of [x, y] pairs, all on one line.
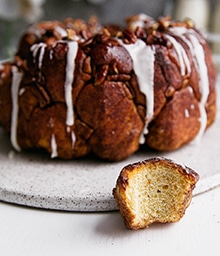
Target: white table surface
{"points": [[28, 231]]}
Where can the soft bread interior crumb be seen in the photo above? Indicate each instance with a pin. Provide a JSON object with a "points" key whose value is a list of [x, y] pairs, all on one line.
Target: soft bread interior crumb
{"points": [[157, 194]]}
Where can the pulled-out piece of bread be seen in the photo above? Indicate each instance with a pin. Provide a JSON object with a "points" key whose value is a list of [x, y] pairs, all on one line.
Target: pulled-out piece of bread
{"points": [[154, 190]]}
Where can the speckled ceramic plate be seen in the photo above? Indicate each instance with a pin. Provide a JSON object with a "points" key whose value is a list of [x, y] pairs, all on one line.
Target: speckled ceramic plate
{"points": [[32, 179]]}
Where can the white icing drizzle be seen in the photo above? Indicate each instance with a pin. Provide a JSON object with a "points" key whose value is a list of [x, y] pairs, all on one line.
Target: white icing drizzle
{"points": [[54, 152], [193, 40], [21, 91], [143, 57], [61, 31], [73, 137], [182, 56], [38, 47], [70, 67], [51, 54], [199, 57], [203, 83], [16, 80], [41, 55], [68, 129], [187, 113]]}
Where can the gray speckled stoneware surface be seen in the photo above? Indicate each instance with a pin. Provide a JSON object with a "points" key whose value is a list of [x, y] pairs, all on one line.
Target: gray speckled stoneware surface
{"points": [[33, 179]]}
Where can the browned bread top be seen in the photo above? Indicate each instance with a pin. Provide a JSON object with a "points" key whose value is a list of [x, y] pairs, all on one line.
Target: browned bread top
{"points": [[76, 87]]}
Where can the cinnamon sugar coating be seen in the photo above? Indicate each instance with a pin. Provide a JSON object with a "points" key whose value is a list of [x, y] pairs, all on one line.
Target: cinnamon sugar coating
{"points": [[105, 89]]}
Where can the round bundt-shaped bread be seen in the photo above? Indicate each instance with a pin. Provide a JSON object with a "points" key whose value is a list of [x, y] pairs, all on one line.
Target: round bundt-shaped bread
{"points": [[76, 87]]}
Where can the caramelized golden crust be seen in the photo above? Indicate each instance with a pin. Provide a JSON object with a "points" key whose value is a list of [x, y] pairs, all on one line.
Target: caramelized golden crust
{"points": [[5, 96], [154, 190], [183, 122], [108, 89]]}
